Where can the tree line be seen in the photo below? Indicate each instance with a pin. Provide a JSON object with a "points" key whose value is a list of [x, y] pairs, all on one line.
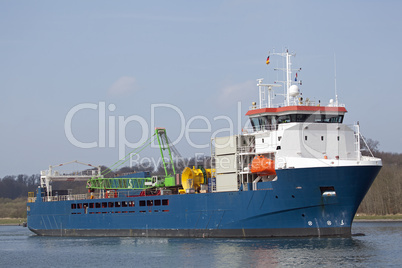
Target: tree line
{"points": [[384, 196], [12, 187]]}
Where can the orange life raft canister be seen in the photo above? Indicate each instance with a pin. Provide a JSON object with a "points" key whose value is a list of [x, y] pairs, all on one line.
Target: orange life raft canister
{"points": [[263, 165]]}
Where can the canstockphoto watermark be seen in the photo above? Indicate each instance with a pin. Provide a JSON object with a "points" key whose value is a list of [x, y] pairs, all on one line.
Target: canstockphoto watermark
{"points": [[112, 126]]}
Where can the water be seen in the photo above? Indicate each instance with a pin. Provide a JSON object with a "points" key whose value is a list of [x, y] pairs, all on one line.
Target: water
{"points": [[380, 247]]}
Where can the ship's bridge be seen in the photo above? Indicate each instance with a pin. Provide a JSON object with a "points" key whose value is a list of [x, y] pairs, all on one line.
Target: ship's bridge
{"points": [[295, 133], [269, 118]]}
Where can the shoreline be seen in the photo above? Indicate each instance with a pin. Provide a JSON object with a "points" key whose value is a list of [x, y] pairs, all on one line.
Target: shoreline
{"points": [[377, 220], [12, 221]]}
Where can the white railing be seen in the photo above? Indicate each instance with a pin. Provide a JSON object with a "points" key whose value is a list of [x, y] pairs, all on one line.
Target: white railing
{"points": [[65, 197], [259, 128], [369, 158], [70, 173], [246, 149], [99, 195], [31, 199], [303, 103], [255, 107]]}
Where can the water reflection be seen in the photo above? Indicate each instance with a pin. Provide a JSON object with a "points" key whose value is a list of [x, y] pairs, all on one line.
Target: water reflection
{"points": [[380, 247], [213, 252], [274, 252]]}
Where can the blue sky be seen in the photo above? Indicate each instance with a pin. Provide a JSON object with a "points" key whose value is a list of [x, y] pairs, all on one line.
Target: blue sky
{"points": [[201, 57]]}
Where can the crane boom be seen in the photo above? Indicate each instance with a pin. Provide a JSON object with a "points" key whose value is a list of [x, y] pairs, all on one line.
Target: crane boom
{"points": [[164, 145], [141, 183]]}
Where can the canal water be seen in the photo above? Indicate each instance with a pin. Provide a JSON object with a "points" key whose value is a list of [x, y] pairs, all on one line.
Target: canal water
{"points": [[380, 246]]}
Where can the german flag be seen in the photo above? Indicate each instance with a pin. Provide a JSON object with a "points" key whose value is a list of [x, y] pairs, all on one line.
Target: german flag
{"points": [[267, 60]]}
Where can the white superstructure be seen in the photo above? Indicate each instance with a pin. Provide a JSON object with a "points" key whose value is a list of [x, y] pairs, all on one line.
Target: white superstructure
{"points": [[47, 176], [297, 133]]}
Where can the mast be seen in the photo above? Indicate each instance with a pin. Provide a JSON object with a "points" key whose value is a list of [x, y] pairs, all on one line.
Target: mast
{"points": [[288, 77], [262, 87], [288, 71], [336, 91]]}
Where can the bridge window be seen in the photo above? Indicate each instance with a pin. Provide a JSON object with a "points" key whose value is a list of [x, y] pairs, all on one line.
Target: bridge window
{"points": [[157, 202], [165, 202], [142, 203], [333, 119], [260, 123], [285, 119], [313, 118], [256, 123]]}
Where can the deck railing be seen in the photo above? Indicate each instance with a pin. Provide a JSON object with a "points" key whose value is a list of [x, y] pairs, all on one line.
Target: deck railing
{"points": [[31, 199], [98, 195], [65, 197]]}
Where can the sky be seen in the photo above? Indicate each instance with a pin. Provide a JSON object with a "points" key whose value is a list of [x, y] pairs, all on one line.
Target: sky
{"points": [[88, 80]]}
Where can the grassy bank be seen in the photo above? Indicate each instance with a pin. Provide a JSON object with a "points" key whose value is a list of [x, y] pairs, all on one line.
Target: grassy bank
{"points": [[13, 208], [12, 221], [378, 217]]}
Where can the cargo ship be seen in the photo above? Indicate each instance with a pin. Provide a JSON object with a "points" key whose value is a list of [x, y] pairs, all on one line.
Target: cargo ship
{"points": [[298, 170]]}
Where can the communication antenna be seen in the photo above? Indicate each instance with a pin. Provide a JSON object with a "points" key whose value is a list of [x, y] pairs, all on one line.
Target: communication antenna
{"points": [[336, 91]]}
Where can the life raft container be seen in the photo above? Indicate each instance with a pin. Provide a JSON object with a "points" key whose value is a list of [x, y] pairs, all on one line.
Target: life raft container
{"points": [[263, 166]]}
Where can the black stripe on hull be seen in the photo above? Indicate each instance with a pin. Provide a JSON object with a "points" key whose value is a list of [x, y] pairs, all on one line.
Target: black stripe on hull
{"points": [[197, 233]]}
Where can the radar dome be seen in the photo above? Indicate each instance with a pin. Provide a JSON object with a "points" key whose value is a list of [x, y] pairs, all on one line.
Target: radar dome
{"points": [[294, 91]]}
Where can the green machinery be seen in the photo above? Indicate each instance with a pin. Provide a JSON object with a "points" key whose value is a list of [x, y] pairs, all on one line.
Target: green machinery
{"points": [[164, 145], [168, 180]]}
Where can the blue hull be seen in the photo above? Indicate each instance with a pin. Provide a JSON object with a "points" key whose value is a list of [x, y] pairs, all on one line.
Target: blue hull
{"points": [[294, 205]]}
